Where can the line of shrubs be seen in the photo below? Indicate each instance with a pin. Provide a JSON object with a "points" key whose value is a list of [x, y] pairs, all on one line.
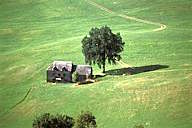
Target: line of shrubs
{"points": [[84, 120]]}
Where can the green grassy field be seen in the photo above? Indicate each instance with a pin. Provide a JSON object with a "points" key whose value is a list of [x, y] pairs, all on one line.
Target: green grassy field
{"points": [[33, 34]]}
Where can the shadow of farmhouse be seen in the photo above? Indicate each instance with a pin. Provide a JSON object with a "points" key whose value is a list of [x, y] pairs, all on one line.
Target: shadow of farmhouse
{"points": [[135, 70]]}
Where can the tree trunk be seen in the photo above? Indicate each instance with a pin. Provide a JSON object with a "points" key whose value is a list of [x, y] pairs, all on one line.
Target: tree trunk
{"points": [[104, 67], [104, 64], [104, 61]]}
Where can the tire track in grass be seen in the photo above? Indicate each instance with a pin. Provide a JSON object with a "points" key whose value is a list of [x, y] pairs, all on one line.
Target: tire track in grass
{"points": [[27, 93], [160, 25], [22, 100], [18, 103]]}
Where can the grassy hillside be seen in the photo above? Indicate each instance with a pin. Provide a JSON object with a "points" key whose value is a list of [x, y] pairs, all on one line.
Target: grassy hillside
{"points": [[33, 34]]}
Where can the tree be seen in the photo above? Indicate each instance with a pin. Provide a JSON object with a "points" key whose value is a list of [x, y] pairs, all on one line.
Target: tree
{"points": [[138, 126], [102, 45], [86, 120], [50, 121]]}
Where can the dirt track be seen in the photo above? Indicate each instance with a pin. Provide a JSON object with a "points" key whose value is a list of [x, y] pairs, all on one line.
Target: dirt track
{"points": [[161, 26], [19, 102]]}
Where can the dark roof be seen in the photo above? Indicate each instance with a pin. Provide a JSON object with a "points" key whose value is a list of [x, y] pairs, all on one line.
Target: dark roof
{"points": [[62, 65]]}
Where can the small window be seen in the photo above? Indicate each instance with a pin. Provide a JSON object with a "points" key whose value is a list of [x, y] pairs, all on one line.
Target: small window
{"points": [[58, 79]]}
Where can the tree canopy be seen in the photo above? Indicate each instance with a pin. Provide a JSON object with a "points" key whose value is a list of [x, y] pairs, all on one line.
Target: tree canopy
{"points": [[47, 120], [53, 121], [86, 120], [101, 45]]}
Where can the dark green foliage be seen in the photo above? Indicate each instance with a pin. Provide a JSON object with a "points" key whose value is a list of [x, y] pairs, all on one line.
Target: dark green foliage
{"points": [[102, 45], [138, 126], [49, 121], [86, 120], [75, 76]]}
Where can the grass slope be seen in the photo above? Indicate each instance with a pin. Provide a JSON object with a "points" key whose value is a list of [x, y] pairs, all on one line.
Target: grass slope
{"points": [[33, 34]]}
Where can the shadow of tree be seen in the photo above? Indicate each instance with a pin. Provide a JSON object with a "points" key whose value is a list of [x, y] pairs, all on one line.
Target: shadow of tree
{"points": [[135, 70], [98, 76]]}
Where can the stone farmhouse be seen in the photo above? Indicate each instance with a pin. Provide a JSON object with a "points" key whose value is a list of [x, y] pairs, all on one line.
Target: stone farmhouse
{"points": [[62, 72]]}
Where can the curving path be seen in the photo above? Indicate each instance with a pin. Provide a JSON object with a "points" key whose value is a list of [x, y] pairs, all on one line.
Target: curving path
{"points": [[160, 25], [19, 102]]}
